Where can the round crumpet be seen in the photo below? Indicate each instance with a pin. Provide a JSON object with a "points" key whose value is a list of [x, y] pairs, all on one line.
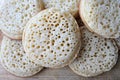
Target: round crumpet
{"points": [[52, 38], [14, 59], [101, 17], [96, 56], [14, 14], [64, 5], [118, 41]]}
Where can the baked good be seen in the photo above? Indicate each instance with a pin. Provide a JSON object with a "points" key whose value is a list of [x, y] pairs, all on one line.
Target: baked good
{"points": [[97, 55], [101, 17], [14, 59], [52, 38], [64, 5], [14, 14]]}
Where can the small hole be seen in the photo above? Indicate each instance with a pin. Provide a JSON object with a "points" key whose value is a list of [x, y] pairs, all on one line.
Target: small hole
{"points": [[44, 49], [38, 47], [58, 48], [66, 39], [41, 55], [24, 63], [54, 58], [59, 36], [62, 44], [68, 50], [68, 44], [60, 54], [33, 5], [51, 51], [65, 54], [33, 46], [48, 47]]}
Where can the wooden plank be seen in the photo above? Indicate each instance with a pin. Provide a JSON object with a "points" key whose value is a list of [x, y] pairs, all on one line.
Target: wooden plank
{"points": [[61, 74]]}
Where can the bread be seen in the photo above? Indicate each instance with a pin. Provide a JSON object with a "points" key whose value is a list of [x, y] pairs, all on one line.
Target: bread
{"points": [[15, 14], [101, 17], [64, 5], [52, 37], [96, 56], [14, 59]]}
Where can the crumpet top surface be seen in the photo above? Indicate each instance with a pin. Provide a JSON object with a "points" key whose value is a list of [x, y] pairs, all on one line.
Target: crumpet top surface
{"points": [[52, 38], [14, 14], [101, 17], [96, 56], [14, 59], [64, 5]]}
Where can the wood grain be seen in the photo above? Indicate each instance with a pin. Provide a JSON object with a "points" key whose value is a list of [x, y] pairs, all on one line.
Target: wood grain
{"points": [[61, 74]]}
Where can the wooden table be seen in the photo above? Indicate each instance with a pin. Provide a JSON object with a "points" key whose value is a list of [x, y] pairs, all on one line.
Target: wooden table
{"points": [[62, 74]]}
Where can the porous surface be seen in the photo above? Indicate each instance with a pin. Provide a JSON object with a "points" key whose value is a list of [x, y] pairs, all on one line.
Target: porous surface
{"points": [[52, 38], [96, 56], [14, 14], [64, 5], [101, 17], [14, 59]]}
